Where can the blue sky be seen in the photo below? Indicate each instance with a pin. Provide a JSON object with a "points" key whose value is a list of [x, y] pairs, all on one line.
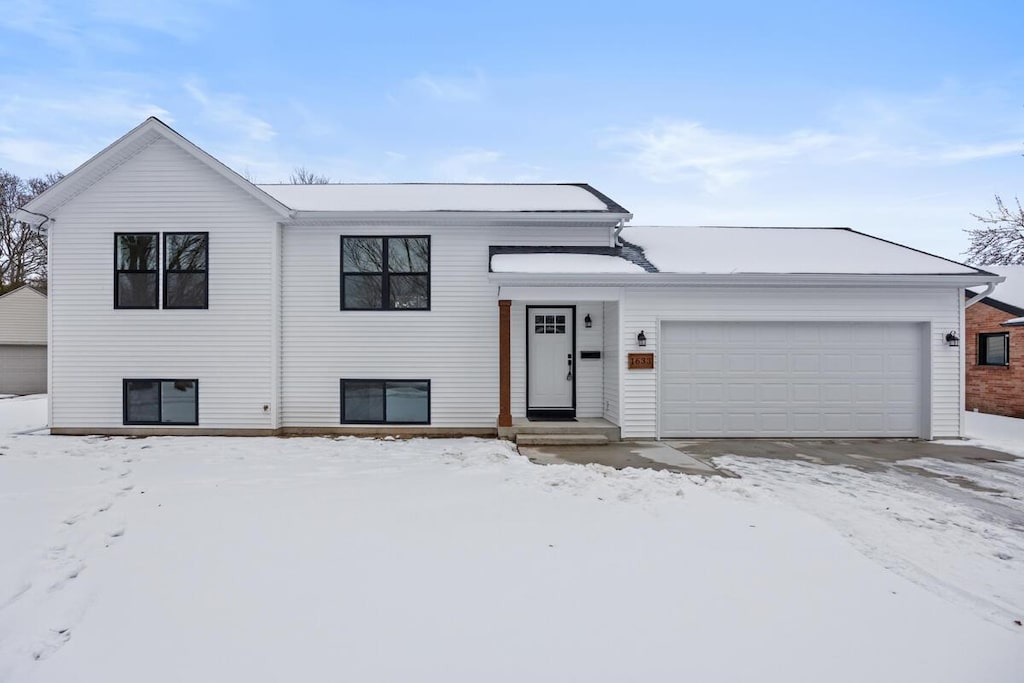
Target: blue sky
{"points": [[899, 119]]}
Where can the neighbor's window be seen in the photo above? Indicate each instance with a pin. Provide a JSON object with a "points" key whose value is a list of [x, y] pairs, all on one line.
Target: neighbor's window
{"points": [[387, 401], [385, 273], [185, 270], [135, 270], [161, 401], [994, 349]]}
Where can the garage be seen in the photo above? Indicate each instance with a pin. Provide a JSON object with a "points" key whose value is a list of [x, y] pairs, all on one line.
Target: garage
{"points": [[22, 369], [795, 379]]}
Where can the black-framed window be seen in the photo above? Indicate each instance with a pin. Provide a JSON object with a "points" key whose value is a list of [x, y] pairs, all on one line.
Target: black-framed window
{"points": [[385, 401], [136, 257], [186, 277], [385, 273], [161, 401], [994, 348]]}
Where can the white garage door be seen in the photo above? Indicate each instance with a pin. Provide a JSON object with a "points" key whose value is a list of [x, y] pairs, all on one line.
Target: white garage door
{"points": [[790, 379], [22, 369]]}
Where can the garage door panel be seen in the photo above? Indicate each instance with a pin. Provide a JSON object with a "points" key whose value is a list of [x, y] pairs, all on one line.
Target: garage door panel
{"points": [[22, 369], [777, 379]]}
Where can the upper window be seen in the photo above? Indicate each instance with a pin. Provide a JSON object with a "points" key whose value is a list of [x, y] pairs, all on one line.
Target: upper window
{"points": [[994, 348], [161, 401], [385, 273], [185, 270], [135, 270]]}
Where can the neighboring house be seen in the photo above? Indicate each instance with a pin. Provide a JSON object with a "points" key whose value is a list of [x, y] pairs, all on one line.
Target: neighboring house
{"points": [[995, 347], [23, 341], [187, 300]]}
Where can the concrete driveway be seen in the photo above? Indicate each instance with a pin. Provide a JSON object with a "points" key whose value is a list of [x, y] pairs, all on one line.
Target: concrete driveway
{"points": [[698, 456]]}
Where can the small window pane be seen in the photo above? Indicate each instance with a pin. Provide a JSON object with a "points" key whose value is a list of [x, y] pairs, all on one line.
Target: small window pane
{"points": [[362, 254], [136, 290], [364, 401], [408, 401], [408, 254], [179, 402], [539, 329], [560, 329], [143, 402], [995, 350], [560, 319], [186, 251], [538, 320], [185, 290], [409, 291], [363, 291], [136, 252]]}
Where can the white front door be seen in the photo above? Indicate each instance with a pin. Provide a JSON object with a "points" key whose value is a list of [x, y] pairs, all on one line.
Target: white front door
{"points": [[551, 364]]}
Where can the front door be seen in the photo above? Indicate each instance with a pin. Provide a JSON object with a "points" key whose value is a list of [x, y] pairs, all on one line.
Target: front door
{"points": [[550, 361]]}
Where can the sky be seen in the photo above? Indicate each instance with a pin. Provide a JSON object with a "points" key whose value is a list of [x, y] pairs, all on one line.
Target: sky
{"points": [[900, 119]]}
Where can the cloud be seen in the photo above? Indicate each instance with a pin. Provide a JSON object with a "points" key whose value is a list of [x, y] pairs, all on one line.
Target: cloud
{"points": [[451, 88], [227, 109], [682, 150]]}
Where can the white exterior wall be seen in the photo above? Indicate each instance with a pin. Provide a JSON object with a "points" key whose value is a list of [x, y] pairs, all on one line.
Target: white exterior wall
{"points": [[455, 344], [227, 347], [23, 317], [613, 361], [644, 309]]}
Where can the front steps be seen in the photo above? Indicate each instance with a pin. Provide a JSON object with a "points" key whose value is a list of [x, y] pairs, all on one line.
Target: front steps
{"points": [[561, 440], [592, 431]]}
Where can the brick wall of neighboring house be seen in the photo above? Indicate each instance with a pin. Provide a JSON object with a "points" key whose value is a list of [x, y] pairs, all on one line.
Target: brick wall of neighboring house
{"points": [[994, 389]]}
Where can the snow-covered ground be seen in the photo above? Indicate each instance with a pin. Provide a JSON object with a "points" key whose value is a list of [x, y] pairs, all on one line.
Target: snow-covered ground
{"points": [[203, 559], [995, 431]]}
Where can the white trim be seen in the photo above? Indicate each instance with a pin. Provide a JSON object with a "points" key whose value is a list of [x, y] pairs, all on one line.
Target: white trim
{"points": [[741, 279], [531, 294]]}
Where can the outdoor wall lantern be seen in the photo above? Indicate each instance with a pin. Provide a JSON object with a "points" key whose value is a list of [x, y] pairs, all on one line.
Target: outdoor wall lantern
{"points": [[588, 322], [952, 338], [641, 339]]}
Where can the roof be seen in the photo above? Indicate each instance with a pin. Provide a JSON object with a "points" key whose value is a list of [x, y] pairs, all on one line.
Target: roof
{"points": [[506, 197], [122, 149], [30, 288], [733, 250], [1008, 295]]}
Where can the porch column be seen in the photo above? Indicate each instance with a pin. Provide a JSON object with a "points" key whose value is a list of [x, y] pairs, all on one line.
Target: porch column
{"points": [[504, 363]]}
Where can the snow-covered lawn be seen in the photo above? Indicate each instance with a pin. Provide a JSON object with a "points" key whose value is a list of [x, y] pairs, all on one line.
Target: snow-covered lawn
{"points": [[202, 559]]}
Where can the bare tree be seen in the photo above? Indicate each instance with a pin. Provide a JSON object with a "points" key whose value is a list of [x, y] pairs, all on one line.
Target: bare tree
{"points": [[303, 176], [22, 247], [1000, 239]]}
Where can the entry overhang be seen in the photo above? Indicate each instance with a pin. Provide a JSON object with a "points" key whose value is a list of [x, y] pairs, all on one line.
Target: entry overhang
{"points": [[559, 294]]}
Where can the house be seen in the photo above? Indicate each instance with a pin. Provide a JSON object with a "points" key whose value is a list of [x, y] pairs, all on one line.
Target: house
{"points": [[23, 341], [995, 347], [187, 300]]}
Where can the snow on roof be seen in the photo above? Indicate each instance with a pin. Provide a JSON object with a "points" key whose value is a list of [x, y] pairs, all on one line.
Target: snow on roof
{"points": [[1014, 322], [441, 197], [561, 263], [1012, 290], [721, 250]]}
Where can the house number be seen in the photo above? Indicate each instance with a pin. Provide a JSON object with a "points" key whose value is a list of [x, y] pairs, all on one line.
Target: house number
{"points": [[640, 361]]}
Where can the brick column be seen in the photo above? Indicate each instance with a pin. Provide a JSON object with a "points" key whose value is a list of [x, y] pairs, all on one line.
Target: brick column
{"points": [[504, 363]]}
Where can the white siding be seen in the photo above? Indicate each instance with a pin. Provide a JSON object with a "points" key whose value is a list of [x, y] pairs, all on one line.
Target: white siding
{"points": [[589, 373], [228, 347], [613, 361], [23, 317], [643, 309], [455, 344]]}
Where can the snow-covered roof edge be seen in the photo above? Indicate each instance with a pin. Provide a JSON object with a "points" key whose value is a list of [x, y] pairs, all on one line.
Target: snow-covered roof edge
{"points": [[627, 252], [921, 251], [103, 162]]}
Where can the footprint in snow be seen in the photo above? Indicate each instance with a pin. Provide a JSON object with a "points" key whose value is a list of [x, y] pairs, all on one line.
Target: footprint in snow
{"points": [[51, 643], [122, 475], [116, 533], [70, 574], [104, 507], [72, 520]]}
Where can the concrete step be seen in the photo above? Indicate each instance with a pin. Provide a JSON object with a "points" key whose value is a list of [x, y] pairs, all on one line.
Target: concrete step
{"points": [[561, 439], [610, 431]]}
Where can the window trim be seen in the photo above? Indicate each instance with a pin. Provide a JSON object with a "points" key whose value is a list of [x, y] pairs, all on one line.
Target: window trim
{"points": [[385, 287], [165, 270], [118, 271], [983, 351], [159, 422], [384, 406]]}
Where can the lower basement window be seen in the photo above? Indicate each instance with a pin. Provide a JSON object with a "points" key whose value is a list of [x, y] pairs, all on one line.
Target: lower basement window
{"points": [[161, 401], [385, 401]]}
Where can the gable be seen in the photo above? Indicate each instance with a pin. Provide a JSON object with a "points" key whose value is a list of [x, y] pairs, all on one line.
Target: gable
{"points": [[23, 317]]}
